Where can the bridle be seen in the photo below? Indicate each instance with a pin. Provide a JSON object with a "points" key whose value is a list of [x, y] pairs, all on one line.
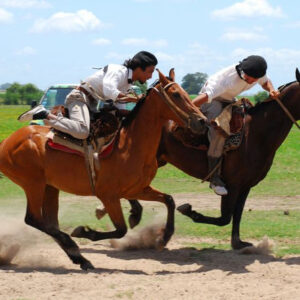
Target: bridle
{"points": [[287, 112], [165, 97]]}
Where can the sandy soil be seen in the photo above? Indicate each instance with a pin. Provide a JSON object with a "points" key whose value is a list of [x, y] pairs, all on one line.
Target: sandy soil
{"points": [[42, 271]]}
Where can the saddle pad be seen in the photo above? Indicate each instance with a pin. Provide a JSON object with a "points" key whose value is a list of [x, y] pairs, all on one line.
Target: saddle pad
{"points": [[107, 149], [56, 146]]}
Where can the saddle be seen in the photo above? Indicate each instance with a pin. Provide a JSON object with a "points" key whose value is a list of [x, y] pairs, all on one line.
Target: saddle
{"points": [[230, 123], [103, 128]]}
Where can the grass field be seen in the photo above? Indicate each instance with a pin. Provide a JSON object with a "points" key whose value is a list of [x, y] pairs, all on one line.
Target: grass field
{"points": [[283, 179]]}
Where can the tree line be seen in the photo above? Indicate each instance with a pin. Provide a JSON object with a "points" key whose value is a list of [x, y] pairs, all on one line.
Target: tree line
{"points": [[17, 94]]}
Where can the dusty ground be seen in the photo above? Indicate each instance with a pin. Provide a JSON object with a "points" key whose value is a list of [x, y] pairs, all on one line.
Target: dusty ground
{"points": [[42, 271]]}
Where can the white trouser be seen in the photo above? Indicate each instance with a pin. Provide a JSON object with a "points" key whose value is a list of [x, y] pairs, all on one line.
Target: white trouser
{"points": [[78, 123], [211, 111]]}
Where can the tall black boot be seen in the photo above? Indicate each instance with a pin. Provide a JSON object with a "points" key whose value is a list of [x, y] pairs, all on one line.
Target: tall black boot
{"points": [[216, 182]]}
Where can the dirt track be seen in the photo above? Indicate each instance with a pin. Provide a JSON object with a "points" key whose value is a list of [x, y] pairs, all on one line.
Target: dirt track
{"points": [[42, 271]]}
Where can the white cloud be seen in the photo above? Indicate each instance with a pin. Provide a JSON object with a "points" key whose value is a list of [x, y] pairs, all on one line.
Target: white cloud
{"points": [[244, 35], [25, 3], [5, 16], [144, 42], [26, 51], [82, 20], [248, 8], [101, 42]]}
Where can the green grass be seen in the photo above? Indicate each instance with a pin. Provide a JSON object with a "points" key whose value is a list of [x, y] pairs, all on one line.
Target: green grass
{"points": [[8, 119]]}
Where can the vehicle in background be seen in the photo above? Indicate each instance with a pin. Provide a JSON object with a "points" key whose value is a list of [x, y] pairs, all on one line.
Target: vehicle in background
{"points": [[54, 95]]}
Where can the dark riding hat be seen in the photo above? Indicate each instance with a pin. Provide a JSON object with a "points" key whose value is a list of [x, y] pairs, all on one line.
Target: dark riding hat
{"points": [[254, 66]]}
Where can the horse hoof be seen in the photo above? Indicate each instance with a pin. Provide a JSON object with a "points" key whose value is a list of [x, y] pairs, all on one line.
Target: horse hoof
{"points": [[78, 232], [86, 265], [133, 221], [100, 212], [240, 245], [160, 244], [185, 209]]}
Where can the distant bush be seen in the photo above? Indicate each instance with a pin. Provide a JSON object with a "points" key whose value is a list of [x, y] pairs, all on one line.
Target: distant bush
{"points": [[22, 94]]}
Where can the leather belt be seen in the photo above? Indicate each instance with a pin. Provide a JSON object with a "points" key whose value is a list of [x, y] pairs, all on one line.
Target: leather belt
{"points": [[88, 94]]}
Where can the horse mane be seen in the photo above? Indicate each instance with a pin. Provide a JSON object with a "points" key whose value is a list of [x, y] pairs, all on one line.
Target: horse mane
{"points": [[261, 105], [132, 115], [282, 87]]}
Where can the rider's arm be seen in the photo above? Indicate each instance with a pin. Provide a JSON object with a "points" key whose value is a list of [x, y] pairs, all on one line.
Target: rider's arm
{"points": [[268, 86], [200, 99], [128, 98]]}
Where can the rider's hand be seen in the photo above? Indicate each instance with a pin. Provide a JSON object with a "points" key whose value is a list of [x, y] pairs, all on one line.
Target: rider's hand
{"points": [[274, 93]]}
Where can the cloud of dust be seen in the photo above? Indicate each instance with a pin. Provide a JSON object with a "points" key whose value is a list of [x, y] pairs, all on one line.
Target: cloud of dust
{"points": [[265, 247], [18, 243], [149, 237]]}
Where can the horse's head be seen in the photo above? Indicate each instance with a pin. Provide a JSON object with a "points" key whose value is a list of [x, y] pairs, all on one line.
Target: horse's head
{"points": [[290, 95], [178, 105]]}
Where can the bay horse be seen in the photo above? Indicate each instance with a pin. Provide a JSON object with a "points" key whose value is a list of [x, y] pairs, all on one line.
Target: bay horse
{"points": [[41, 171], [266, 127]]}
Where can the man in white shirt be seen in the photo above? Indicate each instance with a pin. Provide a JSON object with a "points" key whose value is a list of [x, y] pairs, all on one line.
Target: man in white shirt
{"points": [[109, 83], [221, 90]]}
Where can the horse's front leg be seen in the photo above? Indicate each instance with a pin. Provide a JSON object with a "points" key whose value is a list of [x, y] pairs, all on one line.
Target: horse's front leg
{"points": [[113, 208], [236, 242], [151, 194]]}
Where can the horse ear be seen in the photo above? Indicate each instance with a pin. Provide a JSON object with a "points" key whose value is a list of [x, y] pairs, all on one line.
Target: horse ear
{"points": [[172, 74], [297, 75], [162, 78]]}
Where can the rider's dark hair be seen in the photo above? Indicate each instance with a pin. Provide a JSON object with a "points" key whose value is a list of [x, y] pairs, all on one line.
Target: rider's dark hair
{"points": [[142, 59]]}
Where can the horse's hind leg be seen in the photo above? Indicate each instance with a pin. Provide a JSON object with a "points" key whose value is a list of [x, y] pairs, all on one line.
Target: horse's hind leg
{"points": [[135, 213], [227, 207], [42, 211], [114, 209]]}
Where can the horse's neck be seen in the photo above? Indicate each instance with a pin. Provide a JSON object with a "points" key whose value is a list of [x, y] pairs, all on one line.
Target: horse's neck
{"points": [[270, 126], [144, 132]]}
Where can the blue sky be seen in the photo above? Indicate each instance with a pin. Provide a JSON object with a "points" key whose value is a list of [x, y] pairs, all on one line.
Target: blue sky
{"points": [[46, 42]]}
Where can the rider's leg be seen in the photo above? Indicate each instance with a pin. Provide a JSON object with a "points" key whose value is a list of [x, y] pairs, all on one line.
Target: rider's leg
{"points": [[78, 124], [215, 151]]}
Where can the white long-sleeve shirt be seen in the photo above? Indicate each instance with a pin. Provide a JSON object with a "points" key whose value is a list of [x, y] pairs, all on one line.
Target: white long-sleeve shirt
{"points": [[109, 84], [227, 84]]}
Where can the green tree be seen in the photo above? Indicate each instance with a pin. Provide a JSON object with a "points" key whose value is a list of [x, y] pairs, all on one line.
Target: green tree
{"points": [[193, 83], [22, 94], [260, 96], [12, 95]]}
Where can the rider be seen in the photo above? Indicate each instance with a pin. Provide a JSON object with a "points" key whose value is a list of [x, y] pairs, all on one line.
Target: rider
{"points": [[220, 90], [109, 83]]}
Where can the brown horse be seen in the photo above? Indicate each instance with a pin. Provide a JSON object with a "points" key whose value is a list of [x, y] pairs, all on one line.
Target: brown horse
{"points": [[126, 173], [267, 126]]}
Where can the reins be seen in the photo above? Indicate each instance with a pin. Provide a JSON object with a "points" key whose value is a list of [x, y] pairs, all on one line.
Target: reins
{"points": [[165, 97], [287, 112]]}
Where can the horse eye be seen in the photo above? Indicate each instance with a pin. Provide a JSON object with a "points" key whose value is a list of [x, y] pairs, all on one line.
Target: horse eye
{"points": [[177, 95]]}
